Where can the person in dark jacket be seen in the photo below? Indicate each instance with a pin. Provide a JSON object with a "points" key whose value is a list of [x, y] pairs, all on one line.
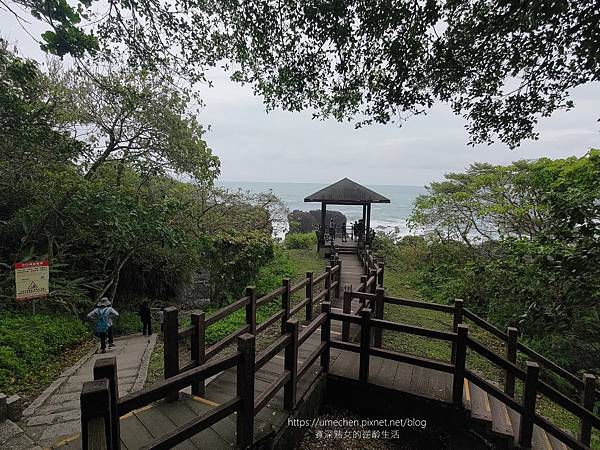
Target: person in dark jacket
{"points": [[146, 319]]}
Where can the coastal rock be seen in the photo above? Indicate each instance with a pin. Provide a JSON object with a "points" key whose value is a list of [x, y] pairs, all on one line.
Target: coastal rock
{"points": [[306, 221]]}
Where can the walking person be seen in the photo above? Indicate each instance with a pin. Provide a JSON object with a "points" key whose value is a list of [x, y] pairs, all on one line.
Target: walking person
{"points": [[103, 315], [146, 317], [344, 235]]}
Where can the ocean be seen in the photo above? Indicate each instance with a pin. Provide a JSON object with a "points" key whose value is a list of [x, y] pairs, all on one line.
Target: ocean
{"points": [[384, 216]]}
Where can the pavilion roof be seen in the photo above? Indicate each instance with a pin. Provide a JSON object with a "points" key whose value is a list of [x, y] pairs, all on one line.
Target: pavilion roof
{"points": [[346, 192]]}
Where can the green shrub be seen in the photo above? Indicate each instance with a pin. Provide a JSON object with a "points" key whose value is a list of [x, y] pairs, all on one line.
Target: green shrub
{"points": [[129, 322], [300, 240], [28, 343], [283, 264], [270, 275]]}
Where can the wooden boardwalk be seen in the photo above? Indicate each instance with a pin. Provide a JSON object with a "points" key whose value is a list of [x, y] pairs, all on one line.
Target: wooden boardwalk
{"points": [[388, 370], [429, 383], [432, 384], [141, 426], [352, 271]]}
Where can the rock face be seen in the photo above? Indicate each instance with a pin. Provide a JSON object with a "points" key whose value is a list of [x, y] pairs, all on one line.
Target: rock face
{"points": [[306, 221]]}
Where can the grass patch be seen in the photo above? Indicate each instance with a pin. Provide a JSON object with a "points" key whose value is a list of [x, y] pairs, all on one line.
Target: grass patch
{"points": [[304, 241], [398, 284], [129, 322], [35, 349]]}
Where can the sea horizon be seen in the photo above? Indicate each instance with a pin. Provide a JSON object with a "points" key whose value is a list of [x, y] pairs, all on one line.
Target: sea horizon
{"points": [[387, 217]]}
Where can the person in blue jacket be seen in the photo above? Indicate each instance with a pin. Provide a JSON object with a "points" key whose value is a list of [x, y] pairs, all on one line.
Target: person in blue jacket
{"points": [[103, 316]]}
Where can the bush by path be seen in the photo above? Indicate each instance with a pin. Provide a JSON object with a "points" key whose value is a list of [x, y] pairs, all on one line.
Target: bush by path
{"points": [[31, 348]]}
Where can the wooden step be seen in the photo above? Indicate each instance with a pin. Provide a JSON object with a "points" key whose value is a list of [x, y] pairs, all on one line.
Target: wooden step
{"points": [[540, 440], [556, 444], [515, 419], [467, 395], [480, 405], [501, 423]]}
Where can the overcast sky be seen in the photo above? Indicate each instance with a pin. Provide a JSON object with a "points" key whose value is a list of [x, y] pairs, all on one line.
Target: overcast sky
{"points": [[291, 147]]}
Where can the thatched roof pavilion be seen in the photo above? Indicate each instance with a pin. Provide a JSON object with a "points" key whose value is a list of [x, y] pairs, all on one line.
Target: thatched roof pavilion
{"points": [[347, 192]]}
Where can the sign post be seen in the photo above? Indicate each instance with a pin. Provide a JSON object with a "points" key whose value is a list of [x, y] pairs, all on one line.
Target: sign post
{"points": [[31, 279]]}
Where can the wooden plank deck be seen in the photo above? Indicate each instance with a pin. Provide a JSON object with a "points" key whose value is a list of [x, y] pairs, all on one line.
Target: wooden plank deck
{"points": [[352, 270], [141, 426], [436, 385]]}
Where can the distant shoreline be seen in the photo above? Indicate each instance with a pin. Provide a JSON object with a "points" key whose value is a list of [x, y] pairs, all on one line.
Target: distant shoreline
{"points": [[384, 217]]}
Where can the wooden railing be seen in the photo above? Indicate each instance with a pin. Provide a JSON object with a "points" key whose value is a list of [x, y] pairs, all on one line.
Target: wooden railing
{"points": [[371, 312], [102, 408], [173, 336], [373, 278]]}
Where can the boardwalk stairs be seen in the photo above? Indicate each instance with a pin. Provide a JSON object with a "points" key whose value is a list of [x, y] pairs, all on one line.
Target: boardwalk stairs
{"points": [[235, 394]]}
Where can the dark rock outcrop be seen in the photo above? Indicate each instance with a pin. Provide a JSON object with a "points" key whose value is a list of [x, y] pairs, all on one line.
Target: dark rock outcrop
{"points": [[306, 221]]}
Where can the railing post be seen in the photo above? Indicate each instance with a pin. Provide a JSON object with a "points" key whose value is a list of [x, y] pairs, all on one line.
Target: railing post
{"points": [[309, 296], [328, 284], [460, 356], [379, 305], [326, 336], [511, 355], [96, 410], [363, 282], [251, 309], [171, 347], [198, 348], [285, 303], [529, 397], [457, 320], [373, 274], [290, 363], [381, 272], [106, 368], [346, 309], [332, 256], [338, 277], [245, 391], [587, 401], [365, 344]]}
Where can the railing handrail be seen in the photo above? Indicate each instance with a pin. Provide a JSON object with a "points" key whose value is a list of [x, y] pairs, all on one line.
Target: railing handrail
{"points": [[101, 407], [309, 282], [545, 362], [292, 338], [372, 300], [533, 386], [163, 388]]}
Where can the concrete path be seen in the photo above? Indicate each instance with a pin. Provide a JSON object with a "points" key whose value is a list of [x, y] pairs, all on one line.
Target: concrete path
{"points": [[55, 415], [13, 437]]}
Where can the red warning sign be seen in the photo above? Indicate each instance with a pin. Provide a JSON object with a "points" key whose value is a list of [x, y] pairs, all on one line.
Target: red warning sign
{"points": [[31, 279]]}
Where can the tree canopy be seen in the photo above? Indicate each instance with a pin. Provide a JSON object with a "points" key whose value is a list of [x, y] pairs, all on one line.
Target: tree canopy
{"points": [[502, 64], [107, 176], [521, 245]]}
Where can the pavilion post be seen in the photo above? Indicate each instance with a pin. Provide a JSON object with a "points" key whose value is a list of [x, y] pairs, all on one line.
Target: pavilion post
{"points": [[368, 223], [323, 213]]}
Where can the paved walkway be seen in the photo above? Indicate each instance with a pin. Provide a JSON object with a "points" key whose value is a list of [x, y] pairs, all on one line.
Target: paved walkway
{"points": [[55, 415]]}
